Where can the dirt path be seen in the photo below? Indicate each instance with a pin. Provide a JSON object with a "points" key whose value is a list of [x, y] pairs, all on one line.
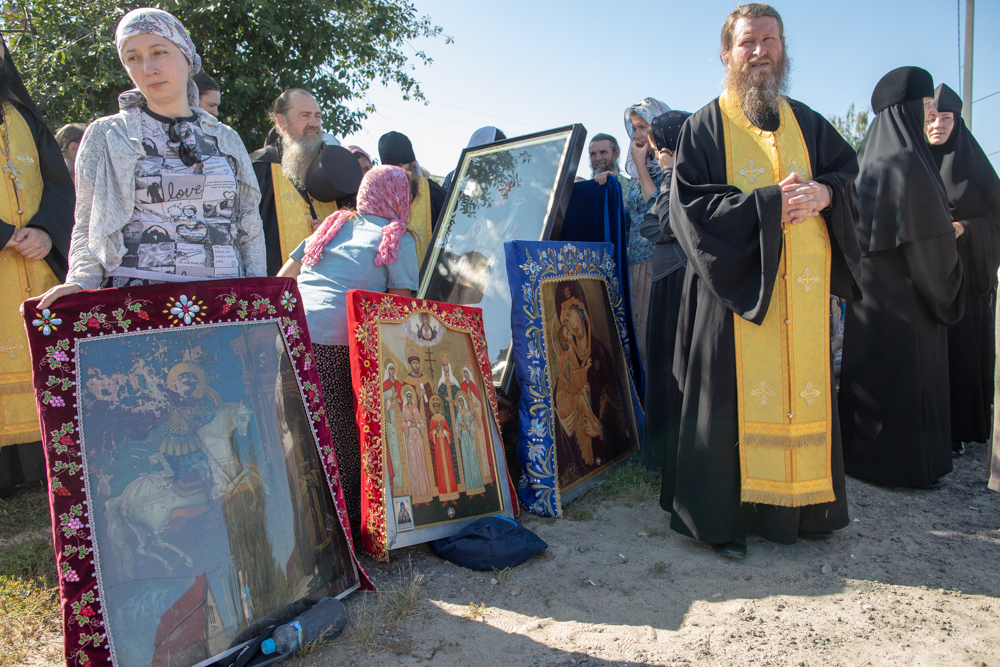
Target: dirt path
{"points": [[912, 581]]}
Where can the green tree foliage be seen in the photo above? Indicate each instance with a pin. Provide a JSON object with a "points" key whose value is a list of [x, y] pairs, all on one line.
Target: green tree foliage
{"points": [[852, 125], [253, 48]]}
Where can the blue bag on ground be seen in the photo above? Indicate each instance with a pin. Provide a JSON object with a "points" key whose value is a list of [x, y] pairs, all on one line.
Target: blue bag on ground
{"points": [[488, 544]]}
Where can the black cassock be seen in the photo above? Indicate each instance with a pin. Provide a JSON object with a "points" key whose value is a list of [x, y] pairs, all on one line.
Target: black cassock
{"points": [[733, 243], [973, 190], [894, 394]]}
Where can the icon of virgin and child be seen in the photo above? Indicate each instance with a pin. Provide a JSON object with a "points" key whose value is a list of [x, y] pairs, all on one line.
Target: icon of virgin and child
{"points": [[436, 428], [589, 386]]}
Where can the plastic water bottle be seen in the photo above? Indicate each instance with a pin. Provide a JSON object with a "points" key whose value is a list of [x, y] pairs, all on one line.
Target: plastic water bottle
{"points": [[327, 617]]}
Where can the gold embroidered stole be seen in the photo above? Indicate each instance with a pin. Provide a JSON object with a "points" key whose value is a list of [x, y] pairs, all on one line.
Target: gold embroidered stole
{"points": [[20, 197], [783, 365], [421, 226], [293, 212]]}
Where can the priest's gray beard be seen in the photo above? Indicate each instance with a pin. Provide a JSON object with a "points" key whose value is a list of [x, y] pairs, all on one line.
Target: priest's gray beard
{"points": [[758, 92], [297, 156]]}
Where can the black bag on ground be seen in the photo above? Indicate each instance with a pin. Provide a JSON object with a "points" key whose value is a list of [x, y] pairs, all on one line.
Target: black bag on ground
{"points": [[493, 543]]}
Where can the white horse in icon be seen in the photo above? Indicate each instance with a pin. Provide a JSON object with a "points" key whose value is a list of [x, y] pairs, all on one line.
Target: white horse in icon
{"points": [[148, 502]]}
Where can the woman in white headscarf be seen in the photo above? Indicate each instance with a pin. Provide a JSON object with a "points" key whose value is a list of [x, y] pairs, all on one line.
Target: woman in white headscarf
{"points": [[645, 173], [132, 169]]}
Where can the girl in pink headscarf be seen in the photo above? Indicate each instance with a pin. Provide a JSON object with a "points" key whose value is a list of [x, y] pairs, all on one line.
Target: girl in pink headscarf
{"points": [[366, 249]]}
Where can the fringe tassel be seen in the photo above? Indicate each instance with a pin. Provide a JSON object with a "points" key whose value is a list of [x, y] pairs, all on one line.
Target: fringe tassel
{"points": [[20, 438], [787, 500], [783, 441]]}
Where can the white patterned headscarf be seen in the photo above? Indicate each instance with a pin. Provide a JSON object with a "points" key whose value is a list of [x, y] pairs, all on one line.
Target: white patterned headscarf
{"points": [[147, 20], [648, 109]]}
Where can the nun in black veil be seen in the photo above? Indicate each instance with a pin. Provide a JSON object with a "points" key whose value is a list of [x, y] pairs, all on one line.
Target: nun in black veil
{"points": [[663, 404], [973, 190], [894, 398]]}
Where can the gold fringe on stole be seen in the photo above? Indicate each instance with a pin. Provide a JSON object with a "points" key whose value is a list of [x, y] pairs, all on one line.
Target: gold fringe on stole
{"points": [[783, 364]]}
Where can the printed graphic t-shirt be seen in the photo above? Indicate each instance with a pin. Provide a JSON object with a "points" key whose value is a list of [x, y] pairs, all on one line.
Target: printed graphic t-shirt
{"points": [[183, 227]]}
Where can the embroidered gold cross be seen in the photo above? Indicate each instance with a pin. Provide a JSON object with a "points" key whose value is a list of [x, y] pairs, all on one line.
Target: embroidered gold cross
{"points": [[797, 169], [763, 393], [752, 171], [11, 348], [807, 279], [25, 159], [810, 393], [289, 197]]}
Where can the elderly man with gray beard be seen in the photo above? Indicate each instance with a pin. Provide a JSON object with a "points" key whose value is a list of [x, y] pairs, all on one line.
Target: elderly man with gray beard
{"points": [[288, 212], [762, 204]]}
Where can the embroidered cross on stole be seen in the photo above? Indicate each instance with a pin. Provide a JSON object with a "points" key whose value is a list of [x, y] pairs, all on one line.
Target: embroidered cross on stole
{"points": [[293, 212], [20, 196], [783, 365]]}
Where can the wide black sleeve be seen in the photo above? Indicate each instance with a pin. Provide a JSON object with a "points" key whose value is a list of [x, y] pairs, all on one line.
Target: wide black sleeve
{"points": [[835, 163], [269, 217], [937, 275], [651, 227], [732, 239], [982, 251], [55, 212], [438, 197]]}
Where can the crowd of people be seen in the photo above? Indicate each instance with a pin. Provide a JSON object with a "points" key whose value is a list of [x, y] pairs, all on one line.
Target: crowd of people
{"points": [[759, 245]]}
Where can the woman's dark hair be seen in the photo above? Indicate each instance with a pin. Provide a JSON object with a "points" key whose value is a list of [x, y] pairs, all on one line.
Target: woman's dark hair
{"points": [[204, 83], [68, 134]]}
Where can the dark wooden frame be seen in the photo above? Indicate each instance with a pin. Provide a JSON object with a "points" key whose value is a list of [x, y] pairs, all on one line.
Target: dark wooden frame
{"points": [[551, 226]]}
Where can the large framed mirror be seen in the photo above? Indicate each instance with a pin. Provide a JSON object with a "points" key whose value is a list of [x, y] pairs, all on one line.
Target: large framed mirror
{"points": [[516, 189]]}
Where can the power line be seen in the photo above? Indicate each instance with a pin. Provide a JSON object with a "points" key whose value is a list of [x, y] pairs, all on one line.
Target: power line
{"points": [[985, 96], [993, 153], [958, 31]]}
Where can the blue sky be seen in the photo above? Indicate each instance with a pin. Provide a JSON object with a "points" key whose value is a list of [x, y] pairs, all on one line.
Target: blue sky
{"points": [[529, 66]]}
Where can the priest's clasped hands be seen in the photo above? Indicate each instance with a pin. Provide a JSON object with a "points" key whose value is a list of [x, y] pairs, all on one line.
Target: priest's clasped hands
{"points": [[802, 199], [33, 243]]}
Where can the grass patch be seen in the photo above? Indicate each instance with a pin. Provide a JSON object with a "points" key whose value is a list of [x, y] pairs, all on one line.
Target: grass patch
{"points": [[30, 558], [476, 612], [402, 599], [27, 511], [655, 531], [316, 645], [631, 481], [29, 610], [364, 627], [577, 512], [502, 575], [658, 569]]}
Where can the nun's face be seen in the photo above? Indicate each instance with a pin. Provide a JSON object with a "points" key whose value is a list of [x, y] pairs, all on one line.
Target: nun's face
{"points": [[157, 68], [641, 129], [937, 125]]}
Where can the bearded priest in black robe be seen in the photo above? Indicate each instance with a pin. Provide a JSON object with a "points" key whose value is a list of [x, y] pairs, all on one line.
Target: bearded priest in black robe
{"points": [[973, 190], [762, 205], [894, 397], [36, 220]]}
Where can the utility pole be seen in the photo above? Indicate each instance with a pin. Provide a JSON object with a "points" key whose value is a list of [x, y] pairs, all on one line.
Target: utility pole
{"points": [[970, 12]]}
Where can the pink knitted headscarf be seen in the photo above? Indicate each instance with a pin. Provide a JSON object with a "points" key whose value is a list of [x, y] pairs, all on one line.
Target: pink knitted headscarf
{"points": [[385, 192]]}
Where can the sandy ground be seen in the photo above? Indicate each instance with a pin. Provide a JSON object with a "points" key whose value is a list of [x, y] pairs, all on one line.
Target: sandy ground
{"points": [[913, 580]]}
